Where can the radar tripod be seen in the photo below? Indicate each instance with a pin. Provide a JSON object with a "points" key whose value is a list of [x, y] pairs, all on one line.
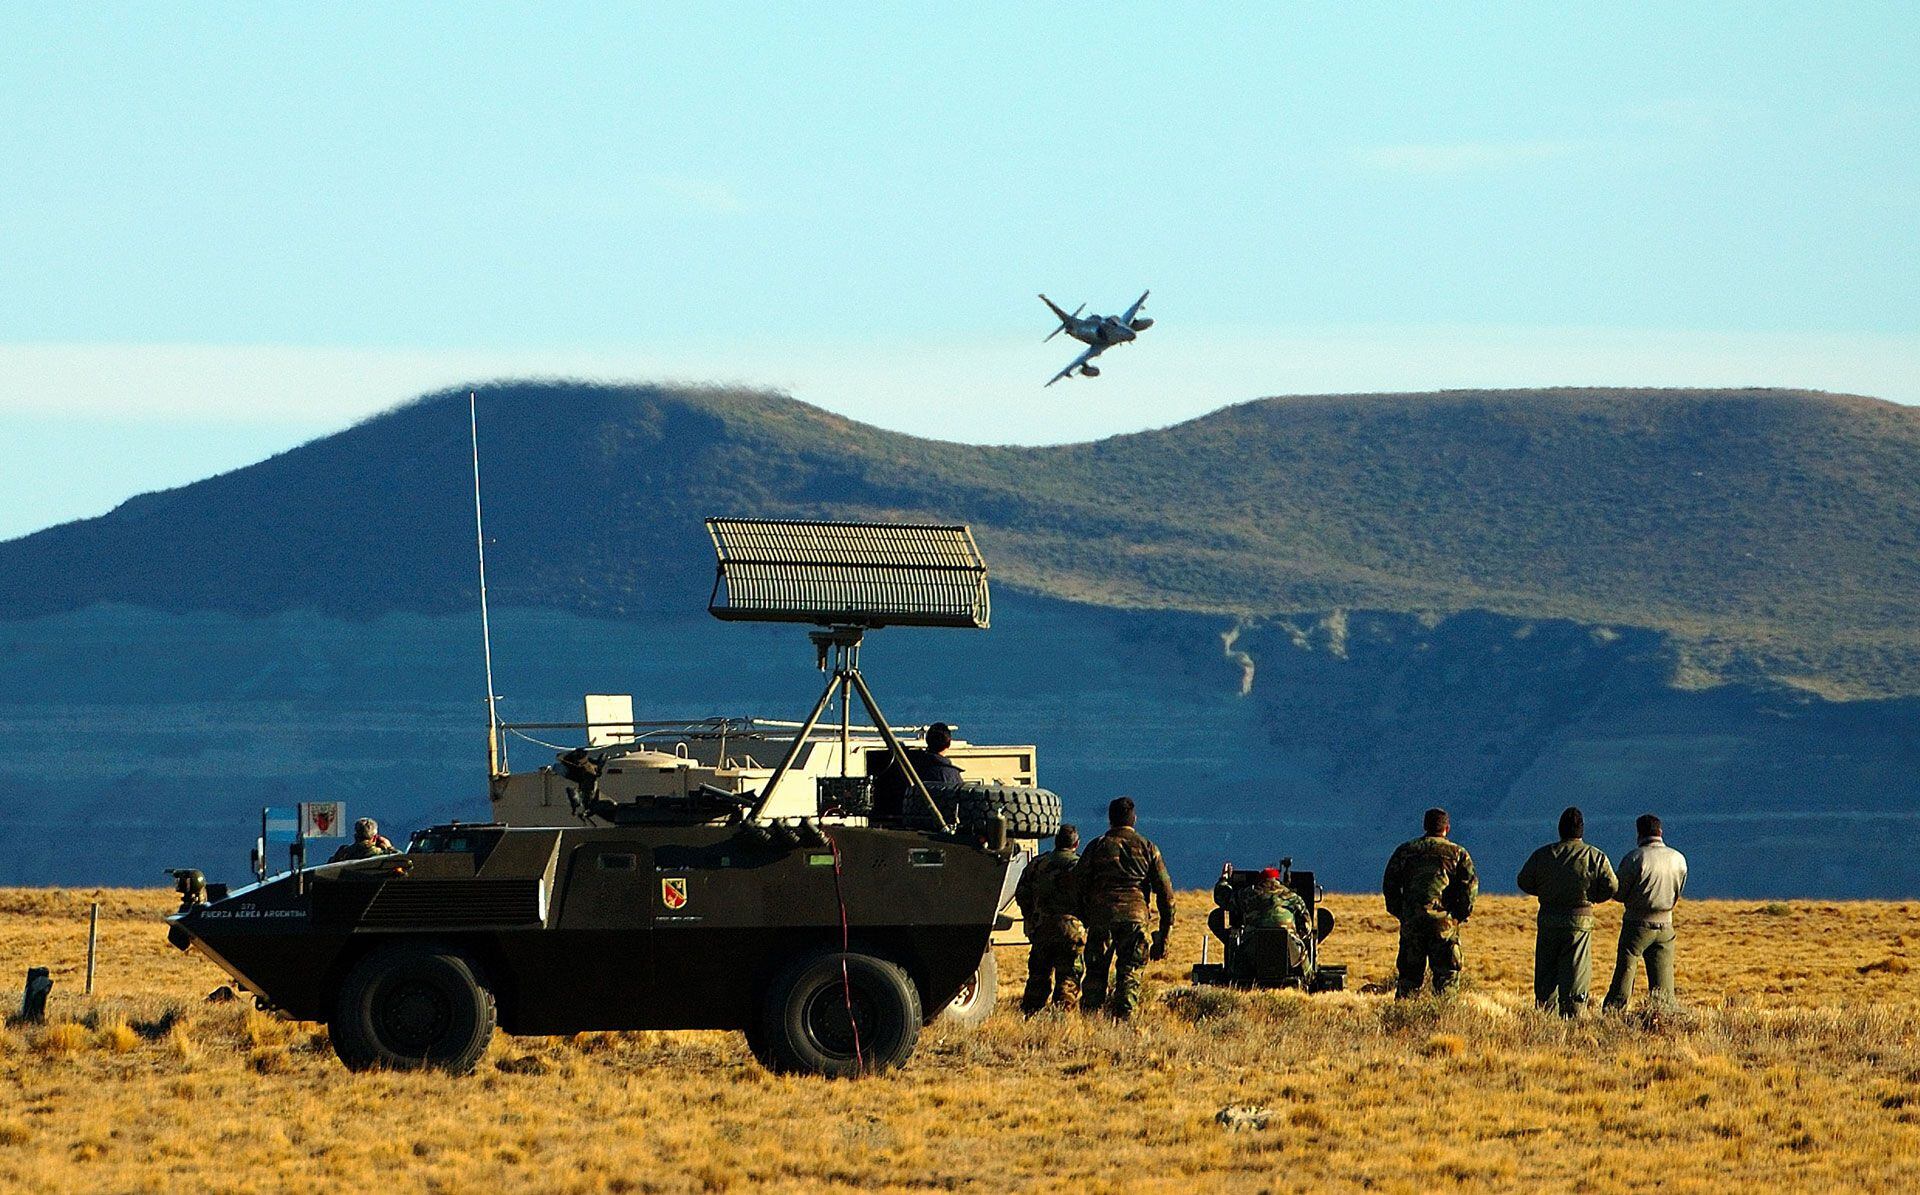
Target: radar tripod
{"points": [[842, 645]]}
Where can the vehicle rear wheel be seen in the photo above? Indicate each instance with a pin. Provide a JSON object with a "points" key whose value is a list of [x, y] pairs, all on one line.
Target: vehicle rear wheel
{"points": [[974, 1002], [839, 1014], [756, 1034], [412, 1006]]}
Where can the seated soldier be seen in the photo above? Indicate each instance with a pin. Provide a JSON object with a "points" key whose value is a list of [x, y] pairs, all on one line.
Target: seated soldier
{"points": [[891, 788], [1266, 903], [368, 843]]}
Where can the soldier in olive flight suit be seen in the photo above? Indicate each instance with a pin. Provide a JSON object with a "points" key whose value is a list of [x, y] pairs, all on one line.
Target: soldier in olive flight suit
{"points": [[1119, 870], [1430, 887], [1050, 907], [1569, 877]]}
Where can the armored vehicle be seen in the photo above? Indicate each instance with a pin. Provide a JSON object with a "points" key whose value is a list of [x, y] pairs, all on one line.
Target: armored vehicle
{"points": [[1271, 957], [828, 937]]}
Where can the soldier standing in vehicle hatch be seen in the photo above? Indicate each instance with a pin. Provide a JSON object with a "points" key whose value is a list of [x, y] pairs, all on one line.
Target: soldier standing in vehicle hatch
{"points": [[1430, 887], [891, 788], [368, 843], [1050, 907], [1115, 876]]}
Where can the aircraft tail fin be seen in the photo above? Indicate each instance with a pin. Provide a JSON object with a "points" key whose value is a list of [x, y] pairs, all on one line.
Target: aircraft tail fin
{"points": [[1064, 318]]}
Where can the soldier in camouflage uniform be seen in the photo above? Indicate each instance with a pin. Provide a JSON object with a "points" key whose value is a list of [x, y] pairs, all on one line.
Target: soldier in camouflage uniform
{"points": [[1266, 903], [368, 843], [1058, 939], [1569, 877], [1430, 887], [1114, 878]]}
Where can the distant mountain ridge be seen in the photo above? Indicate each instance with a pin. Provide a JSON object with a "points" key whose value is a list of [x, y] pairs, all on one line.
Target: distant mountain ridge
{"points": [[1770, 533]]}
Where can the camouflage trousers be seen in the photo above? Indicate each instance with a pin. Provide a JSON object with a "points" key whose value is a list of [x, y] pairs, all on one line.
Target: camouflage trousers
{"points": [[1055, 965], [1122, 947], [1428, 943]]}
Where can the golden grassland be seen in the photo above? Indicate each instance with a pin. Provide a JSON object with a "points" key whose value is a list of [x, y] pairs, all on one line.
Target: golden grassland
{"points": [[1795, 1062]]}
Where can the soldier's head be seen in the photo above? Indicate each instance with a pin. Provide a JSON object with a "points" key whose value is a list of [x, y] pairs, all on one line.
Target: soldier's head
{"points": [[939, 737], [1647, 826], [366, 830], [1066, 837], [1435, 823], [1573, 823], [1120, 812]]}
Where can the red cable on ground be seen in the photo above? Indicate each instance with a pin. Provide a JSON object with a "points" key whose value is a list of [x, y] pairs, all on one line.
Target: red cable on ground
{"points": [[846, 945]]}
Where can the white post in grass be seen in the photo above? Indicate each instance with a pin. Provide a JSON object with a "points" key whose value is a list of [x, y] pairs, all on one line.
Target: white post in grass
{"points": [[93, 943]]}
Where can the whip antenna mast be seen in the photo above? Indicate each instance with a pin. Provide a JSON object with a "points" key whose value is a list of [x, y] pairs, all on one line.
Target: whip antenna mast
{"points": [[486, 634]]}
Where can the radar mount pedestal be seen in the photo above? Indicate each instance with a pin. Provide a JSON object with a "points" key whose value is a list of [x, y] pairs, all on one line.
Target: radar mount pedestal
{"points": [[841, 645]]}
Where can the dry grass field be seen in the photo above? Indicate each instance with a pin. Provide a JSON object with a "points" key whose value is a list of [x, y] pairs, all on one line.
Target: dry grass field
{"points": [[1795, 1063]]}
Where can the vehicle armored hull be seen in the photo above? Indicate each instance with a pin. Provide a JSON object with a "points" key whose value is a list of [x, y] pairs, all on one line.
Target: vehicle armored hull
{"points": [[617, 928]]}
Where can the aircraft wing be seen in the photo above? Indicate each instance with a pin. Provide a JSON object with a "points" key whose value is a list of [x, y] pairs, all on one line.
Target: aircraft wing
{"points": [[1135, 309], [1093, 350]]}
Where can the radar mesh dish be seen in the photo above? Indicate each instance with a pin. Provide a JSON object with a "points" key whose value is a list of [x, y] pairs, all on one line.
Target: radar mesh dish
{"points": [[847, 574]]}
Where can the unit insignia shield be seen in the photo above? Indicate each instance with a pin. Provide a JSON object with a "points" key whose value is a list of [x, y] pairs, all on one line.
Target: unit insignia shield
{"points": [[673, 892]]}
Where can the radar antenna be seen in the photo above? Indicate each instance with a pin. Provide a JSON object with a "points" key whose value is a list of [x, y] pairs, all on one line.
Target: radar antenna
{"points": [[847, 579]]}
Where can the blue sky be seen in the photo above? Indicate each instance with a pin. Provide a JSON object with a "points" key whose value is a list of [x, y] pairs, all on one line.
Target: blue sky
{"points": [[227, 229]]}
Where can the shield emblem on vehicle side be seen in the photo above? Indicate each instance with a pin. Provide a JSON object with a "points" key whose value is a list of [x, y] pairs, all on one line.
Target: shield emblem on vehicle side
{"points": [[673, 892]]}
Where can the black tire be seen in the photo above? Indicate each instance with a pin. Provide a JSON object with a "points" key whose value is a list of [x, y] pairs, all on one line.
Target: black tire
{"points": [[412, 1006], [1030, 812], [804, 1023], [756, 1035], [974, 1002]]}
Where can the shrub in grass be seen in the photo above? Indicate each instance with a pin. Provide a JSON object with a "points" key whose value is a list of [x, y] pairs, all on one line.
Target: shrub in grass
{"points": [[66, 1037], [1194, 1005]]}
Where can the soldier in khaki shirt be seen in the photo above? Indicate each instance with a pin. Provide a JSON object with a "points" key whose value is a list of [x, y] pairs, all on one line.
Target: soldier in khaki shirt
{"points": [[1569, 877], [1652, 876]]}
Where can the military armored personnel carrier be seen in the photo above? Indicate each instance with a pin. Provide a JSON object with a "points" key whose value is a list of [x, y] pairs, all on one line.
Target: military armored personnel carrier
{"points": [[827, 937]]}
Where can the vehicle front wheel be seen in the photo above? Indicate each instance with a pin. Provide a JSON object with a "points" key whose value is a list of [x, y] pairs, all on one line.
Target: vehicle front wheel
{"points": [[839, 1014], [411, 1006]]}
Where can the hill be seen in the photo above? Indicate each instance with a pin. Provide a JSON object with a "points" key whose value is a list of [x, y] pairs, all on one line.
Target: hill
{"points": [[1769, 533]]}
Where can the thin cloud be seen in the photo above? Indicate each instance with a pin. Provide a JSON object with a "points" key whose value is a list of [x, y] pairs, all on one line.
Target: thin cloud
{"points": [[1462, 157]]}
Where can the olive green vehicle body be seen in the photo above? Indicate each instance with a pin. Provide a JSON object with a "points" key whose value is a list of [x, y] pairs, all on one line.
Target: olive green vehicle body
{"points": [[651, 926]]}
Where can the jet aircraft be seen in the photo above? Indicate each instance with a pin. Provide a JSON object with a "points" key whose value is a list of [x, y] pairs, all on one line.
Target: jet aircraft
{"points": [[1098, 332]]}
